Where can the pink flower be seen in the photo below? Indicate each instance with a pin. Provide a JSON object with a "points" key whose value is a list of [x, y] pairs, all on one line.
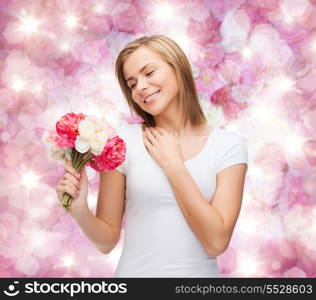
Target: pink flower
{"points": [[255, 14], [227, 261], [307, 49], [294, 272], [308, 81], [267, 4], [251, 71], [68, 63], [279, 255], [293, 191], [67, 127], [208, 81], [90, 52], [206, 31], [270, 158], [54, 139], [128, 20], [112, 156], [309, 119], [99, 25], [209, 56], [220, 8], [230, 107], [230, 71], [309, 184], [291, 34]]}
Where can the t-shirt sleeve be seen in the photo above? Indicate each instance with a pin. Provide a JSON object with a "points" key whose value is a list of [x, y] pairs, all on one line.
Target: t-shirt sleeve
{"points": [[122, 133], [233, 150]]}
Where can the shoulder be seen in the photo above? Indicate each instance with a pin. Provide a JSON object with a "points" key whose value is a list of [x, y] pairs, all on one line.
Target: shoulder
{"points": [[226, 138], [230, 149]]}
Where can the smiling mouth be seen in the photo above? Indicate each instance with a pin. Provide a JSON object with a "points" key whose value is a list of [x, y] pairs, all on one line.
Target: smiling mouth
{"points": [[149, 97]]}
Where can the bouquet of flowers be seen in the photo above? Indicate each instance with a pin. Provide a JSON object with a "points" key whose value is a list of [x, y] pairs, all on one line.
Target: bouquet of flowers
{"points": [[85, 140]]}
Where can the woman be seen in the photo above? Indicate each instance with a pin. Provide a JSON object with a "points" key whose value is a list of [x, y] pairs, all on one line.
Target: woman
{"points": [[181, 184]]}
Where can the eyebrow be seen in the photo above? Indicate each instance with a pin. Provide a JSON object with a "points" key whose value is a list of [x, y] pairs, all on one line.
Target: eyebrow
{"points": [[141, 70]]}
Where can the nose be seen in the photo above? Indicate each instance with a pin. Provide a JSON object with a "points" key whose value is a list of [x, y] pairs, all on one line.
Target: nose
{"points": [[142, 85]]}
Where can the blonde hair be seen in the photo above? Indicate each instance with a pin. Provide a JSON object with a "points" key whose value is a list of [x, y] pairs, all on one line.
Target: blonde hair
{"points": [[170, 51]]}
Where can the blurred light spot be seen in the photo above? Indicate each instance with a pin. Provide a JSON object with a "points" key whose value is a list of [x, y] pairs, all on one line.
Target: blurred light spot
{"points": [[18, 84], [98, 8], [30, 180], [64, 46], [71, 21], [293, 144], [68, 261], [184, 42], [248, 226], [29, 24], [262, 113], [248, 267], [255, 172], [282, 83], [246, 53], [38, 239], [163, 11]]}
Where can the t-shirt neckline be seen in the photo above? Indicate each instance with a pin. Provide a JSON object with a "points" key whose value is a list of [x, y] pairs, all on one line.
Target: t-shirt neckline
{"points": [[209, 138]]}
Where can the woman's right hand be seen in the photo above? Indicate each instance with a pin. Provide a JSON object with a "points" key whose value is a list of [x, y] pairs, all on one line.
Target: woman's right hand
{"points": [[74, 186]]}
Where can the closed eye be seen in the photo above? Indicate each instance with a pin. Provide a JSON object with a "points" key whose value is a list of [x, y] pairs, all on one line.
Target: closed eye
{"points": [[149, 73]]}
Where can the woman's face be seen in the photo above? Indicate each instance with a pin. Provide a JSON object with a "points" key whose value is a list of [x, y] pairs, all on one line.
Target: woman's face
{"points": [[146, 73]]}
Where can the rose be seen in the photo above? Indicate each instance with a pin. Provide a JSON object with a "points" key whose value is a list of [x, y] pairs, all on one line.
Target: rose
{"points": [[111, 157], [67, 127]]}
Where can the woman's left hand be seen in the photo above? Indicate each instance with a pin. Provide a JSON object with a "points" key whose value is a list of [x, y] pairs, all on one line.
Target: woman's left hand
{"points": [[163, 146]]}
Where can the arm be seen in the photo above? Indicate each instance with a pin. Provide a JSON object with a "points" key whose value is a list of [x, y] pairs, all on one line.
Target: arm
{"points": [[213, 223], [104, 229], [97, 231]]}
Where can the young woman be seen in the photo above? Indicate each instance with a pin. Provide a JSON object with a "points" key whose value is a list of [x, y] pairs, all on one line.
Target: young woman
{"points": [[181, 184]]}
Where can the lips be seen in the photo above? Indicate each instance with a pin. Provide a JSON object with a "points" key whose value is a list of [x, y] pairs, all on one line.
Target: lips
{"points": [[146, 98]]}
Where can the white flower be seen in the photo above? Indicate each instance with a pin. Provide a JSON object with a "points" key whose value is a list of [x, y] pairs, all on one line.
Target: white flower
{"points": [[93, 132], [98, 142], [87, 128], [60, 153], [81, 144]]}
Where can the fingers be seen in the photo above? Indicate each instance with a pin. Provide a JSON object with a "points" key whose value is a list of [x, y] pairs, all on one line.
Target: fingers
{"points": [[155, 131], [73, 181], [68, 183], [151, 136], [61, 189], [161, 130], [70, 169]]}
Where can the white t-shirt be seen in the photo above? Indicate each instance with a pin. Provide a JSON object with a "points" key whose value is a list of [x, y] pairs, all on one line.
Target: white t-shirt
{"points": [[158, 242]]}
